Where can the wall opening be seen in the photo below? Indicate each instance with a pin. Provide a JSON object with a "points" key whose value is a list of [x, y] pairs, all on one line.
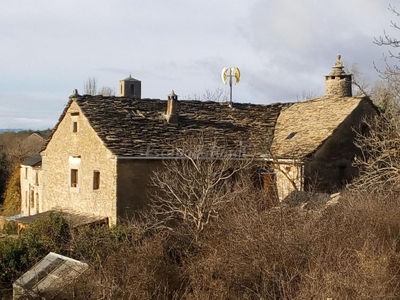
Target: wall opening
{"points": [[96, 180], [37, 203], [32, 199], [74, 177]]}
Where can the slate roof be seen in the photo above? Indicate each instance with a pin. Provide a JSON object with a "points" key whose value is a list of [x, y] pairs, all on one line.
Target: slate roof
{"points": [[137, 127], [130, 78], [75, 219], [302, 127], [33, 161]]}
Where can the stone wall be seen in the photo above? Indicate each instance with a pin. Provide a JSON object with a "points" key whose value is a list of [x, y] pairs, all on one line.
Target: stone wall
{"points": [[130, 88], [289, 178], [134, 185], [82, 150], [338, 86], [31, 190], [331, 166]]}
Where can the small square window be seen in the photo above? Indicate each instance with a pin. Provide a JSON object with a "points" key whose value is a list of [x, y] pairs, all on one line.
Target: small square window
{"points": [[74, 177], [74, 126], [96, 180]]}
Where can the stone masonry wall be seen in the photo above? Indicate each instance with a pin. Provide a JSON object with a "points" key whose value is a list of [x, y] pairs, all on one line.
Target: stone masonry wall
{"points": [[31, 190], [94, 156], [134, 187], [126, 91], [288, 179], [338, 87], [331, 166]]}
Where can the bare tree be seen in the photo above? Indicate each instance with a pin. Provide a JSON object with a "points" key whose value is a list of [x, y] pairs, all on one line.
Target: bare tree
{"points": [[360, 83], [307, 96], [391, 73], [90, 88], [195, 187], [106, 91], [218, 95], [379, 159]]}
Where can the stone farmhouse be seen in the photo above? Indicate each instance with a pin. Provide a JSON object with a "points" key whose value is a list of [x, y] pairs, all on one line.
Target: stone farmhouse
{"points": [[31, 185], [101, 154], [30, 173]]}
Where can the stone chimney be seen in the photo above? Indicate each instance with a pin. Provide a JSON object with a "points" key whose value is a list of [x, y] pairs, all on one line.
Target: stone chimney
{"points": [[171, 115], [130, 87], [338, 82]]}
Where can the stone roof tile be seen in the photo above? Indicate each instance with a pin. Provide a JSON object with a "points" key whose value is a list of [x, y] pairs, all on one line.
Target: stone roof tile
{"points": [[137, 127], [302, 127]]}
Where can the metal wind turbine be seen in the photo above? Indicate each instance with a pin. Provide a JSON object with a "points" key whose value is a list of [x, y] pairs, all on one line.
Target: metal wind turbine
{"points": [[230, 73]]}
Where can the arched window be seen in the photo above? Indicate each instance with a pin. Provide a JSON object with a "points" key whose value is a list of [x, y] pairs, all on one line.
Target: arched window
{"points": [[132, 88]]}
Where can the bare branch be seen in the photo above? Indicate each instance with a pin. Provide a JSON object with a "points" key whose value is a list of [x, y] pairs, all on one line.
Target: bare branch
{"points": [[195, 188], [90, 86], [379, 158]]}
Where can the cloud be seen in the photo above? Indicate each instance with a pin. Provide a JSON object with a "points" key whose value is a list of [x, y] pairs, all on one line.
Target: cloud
{"points": [[283, 48]]}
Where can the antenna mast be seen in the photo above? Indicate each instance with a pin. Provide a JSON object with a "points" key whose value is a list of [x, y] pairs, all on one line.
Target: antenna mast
{"points": [[230, 73]]}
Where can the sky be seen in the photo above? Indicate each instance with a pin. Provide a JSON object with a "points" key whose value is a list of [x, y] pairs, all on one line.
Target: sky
{"points": [[282, 48]]}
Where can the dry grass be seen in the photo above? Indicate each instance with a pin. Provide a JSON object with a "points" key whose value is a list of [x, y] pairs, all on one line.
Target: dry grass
{"points": [[346, 251]]}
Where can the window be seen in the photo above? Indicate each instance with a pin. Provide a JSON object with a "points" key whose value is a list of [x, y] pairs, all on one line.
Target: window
{"points": [[37, 203], [74, 120], [26, 173], [37, 177], [132, 88], [74, 177], [32, 200], [96, 180], [74, 166]]}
